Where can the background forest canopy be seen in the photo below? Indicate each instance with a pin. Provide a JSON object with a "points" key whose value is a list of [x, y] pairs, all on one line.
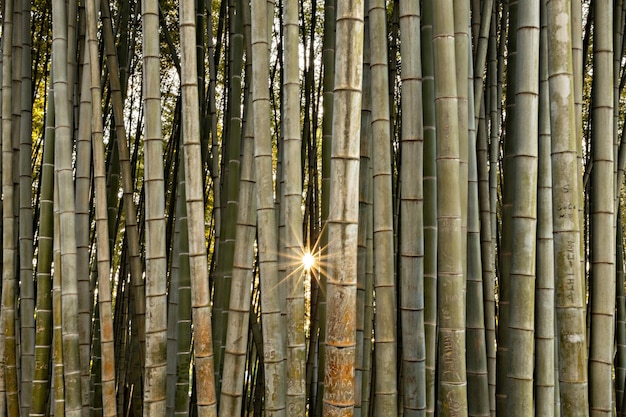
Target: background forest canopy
{"points": [[312, 208]]}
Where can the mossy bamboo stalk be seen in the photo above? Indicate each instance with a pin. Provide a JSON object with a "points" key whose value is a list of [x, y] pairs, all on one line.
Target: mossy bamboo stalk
{"points": [[570, 302]]}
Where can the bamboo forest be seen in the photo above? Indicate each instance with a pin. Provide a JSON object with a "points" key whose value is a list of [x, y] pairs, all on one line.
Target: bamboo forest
{"points": [[272, 208]]}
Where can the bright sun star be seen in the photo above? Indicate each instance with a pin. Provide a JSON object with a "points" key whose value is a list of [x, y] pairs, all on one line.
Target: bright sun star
{"points": [[308, 261]]}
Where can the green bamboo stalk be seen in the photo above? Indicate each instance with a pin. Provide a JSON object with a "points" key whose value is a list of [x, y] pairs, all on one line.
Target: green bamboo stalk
{"points": [[58, 367], [27, 287], [385, 342], [544, 289], [231, 399], [328, 58], [368, 315], [83, 226], [229, 193], [619, 14], [508, 195], [95, 391], [362, 374], [43, 335], [577, 61], [9, 235], [477, 372], [83, 232], [602, 216], [621, 328], [178, 272], [462, 48], [620, 357], [183, 329], [481, 49], [66, 207], [81, 119], [487, 257], [430, 207], [489, 262], [411, 270], [131, 229]]}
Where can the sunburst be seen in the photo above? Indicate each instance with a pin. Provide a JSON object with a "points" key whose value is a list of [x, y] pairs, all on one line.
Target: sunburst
{"points": [[308, 261]]}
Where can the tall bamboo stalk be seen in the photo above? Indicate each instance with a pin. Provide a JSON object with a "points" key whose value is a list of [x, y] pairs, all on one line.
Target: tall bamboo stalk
{"points": [[521, 323], [365, 255], [602, 215], [103, 251], [154, 206], [452, 390], [430, 207], [292, 202], [9, 232], [411, 271], [66, 208], [27, 284], [194, 189], [477, 370], [239, 306], [544, 289], [43, 335], [343, 213], [385, 342], [273, 340], [570, 302]]}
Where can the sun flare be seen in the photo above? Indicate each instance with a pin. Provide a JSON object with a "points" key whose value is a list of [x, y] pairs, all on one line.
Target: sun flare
{"points": [[308, 261]]}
